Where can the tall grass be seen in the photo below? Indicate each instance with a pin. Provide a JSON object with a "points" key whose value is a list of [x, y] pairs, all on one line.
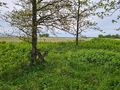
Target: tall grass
{"points": [[93, 65]]}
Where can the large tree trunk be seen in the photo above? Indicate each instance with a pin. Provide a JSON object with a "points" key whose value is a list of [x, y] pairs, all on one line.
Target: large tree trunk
{"points": [[34, 32], [78, 18]]}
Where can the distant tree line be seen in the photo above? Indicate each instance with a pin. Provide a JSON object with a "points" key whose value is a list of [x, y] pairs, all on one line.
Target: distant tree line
{"points": [[44, 35], [109, 36]]}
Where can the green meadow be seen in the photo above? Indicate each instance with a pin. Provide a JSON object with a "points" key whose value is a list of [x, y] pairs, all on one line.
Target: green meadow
{"points": [[93, 65]]}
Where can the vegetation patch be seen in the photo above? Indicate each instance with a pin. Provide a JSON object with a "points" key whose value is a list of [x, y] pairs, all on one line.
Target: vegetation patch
{"points": [[66, 68]]}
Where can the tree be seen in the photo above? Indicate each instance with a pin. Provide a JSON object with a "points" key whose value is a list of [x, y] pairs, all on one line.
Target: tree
{"points": [[81, 15], [108, 8], [33, 16], [34, 31], [2, 3], [44, 35], [109, 36], [100, 36]]}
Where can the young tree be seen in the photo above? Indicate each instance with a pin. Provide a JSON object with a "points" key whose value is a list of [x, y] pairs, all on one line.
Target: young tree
{"points": [[81, 15], [33, 15]]}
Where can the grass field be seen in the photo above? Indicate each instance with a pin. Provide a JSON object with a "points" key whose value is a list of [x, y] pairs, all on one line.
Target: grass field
{"points": [[43, 39], [93, 65]]}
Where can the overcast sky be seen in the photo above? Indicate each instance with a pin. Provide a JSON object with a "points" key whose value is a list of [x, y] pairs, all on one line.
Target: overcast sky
{"points": [[105, 24]]}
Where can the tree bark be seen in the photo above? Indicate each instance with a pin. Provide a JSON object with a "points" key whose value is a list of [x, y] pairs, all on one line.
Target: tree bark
{"points": [[34, 32], [78, 17]]}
